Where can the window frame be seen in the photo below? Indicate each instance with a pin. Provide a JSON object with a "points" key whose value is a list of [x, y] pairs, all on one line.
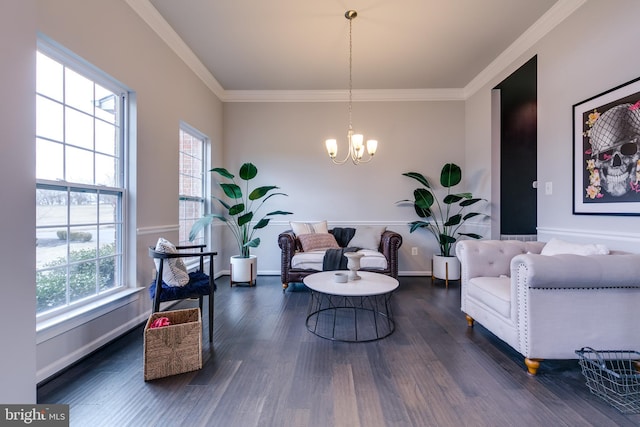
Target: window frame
{"points": [[205, 181], [124, 221]]}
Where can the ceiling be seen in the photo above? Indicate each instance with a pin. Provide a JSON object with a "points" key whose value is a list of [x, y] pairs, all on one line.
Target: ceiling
{"points": [[303, 45]]}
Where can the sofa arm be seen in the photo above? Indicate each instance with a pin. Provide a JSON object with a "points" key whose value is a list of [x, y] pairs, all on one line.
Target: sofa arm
{"points": [[287, 243], [577, 271], [390, 243]]}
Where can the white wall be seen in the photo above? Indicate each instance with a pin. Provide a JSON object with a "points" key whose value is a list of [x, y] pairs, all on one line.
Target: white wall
{"points": [[17, 166], [286, 142], [111, 36], [592, 51]]}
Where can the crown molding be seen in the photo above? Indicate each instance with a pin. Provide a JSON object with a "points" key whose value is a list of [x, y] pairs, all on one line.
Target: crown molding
{"points": [[554, 16], [377, 95], [152, 17]]}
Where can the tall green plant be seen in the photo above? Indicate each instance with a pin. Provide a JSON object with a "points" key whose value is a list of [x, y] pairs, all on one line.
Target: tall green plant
{"points": [[442, 218], [240, 210]]}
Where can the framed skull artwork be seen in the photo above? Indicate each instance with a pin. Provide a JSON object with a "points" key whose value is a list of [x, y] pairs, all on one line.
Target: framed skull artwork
{"points": [[606, 152]]}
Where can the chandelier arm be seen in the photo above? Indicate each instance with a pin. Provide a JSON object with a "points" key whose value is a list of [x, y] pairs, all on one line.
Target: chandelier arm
{"points": [[341, 162]]}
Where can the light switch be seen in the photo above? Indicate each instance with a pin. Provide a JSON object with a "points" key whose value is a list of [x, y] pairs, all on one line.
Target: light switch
{"points": [[548, 188]]}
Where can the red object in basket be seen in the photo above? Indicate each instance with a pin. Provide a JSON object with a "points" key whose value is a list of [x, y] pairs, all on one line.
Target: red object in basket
{"points": [[160, 322]]}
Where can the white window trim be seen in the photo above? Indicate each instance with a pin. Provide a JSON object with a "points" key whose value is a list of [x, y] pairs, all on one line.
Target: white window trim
{"points": [[56, 323], [206, 179]]}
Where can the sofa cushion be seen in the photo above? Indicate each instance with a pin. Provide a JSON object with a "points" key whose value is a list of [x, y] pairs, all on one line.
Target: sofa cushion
{"points": [[367, 237], [317, 241], [557, 246], [495, 292], [309, 227], [313, 260]]}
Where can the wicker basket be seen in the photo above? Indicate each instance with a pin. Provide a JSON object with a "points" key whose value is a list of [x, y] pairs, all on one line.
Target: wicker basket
{"points": [[174, 349]]}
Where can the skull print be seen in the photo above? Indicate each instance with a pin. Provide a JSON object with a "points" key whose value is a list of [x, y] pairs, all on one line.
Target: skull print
{"points": [[614, 138]]}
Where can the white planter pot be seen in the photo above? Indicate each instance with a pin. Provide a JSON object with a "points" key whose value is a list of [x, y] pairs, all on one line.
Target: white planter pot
{"points": [[446, 268], [243, 270]]}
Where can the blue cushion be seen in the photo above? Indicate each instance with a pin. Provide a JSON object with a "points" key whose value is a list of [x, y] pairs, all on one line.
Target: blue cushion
{"points": [[198, 285]]}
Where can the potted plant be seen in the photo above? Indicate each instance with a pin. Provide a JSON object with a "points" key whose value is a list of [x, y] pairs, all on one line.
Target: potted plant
{"points": [[238, 215], [443, 218]]}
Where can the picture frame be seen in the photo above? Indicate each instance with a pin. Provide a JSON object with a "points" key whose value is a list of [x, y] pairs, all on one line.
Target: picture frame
{"points": [[606, 152]]}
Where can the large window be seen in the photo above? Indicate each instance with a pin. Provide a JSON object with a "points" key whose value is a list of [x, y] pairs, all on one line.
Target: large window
{"points": [[80, 178], [192, 190]]}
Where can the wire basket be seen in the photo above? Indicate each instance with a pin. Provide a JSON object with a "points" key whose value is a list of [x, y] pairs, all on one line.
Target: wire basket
{"points": [[613, 375]]}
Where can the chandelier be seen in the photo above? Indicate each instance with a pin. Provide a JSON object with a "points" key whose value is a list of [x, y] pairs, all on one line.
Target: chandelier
{"points": [[355, 140]]}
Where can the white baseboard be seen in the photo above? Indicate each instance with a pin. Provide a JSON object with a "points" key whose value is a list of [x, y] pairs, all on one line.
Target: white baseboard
{"points": [[62, 363]]}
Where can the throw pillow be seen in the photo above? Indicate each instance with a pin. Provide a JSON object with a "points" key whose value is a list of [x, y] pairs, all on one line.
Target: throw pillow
{"points": [[367, 237], [309, 227], [557, 246], [317, 242], [174, 272]]}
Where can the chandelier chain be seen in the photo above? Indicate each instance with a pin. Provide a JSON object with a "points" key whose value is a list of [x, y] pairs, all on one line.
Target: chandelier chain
{"points": [[350, 72]]}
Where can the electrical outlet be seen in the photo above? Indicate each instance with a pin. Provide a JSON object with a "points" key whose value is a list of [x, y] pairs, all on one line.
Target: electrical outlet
{"points": [[414, 251]]}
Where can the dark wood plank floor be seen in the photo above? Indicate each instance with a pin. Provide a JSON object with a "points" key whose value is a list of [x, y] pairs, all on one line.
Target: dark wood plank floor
{"points": [[266, 369]]}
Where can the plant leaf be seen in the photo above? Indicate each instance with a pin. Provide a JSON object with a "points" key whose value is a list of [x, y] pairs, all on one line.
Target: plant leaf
{"points": [[245, 219], [415, 225], [274, 194], [424, 198], [203, 222], [199, 225], [279, 213], [471, 215], [450, 175], [453, 220], [472, 235], [223, 203], [470, 202], [223, 172], [248, 171], [232, 191], [259, 192], [253, 243], [236, 209], [451, 198], [262, 223], [444, 239], [418, 177], [421, 212]]}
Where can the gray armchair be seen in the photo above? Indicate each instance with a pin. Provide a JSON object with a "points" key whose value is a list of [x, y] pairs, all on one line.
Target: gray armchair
{"points": [[547, 307]]}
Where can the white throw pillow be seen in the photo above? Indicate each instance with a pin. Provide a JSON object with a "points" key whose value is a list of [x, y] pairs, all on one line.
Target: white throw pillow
{"points": [[557, 246], [367, 237], [309, 227], [174, 272]]}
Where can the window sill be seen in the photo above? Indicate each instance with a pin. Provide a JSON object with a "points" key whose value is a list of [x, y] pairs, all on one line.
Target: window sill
{"points": [[50, 328]]}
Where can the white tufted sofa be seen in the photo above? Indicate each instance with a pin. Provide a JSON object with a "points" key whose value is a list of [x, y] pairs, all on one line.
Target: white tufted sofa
{"points": [[547, 307]]}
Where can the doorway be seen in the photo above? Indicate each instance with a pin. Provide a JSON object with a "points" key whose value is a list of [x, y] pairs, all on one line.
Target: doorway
{"points": [[518, 153]]}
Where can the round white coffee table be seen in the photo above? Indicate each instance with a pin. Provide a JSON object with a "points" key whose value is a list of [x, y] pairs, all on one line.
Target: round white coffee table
{"points": [[355, 311]]}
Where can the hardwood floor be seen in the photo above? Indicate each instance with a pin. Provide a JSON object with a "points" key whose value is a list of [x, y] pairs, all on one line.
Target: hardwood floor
{"points": [[266, 369]]}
